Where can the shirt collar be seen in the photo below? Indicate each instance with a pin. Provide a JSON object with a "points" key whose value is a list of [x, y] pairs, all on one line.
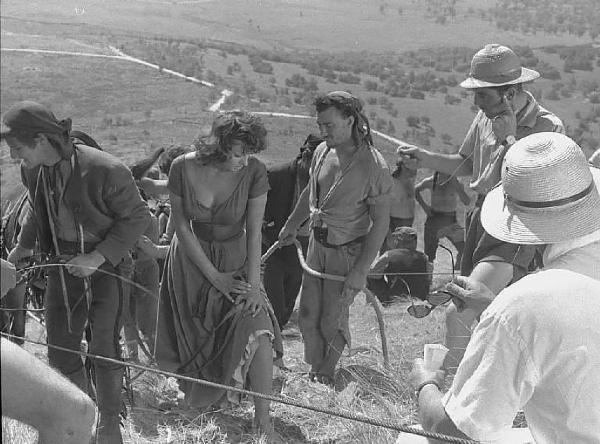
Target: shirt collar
{"points": [[528, 115]]}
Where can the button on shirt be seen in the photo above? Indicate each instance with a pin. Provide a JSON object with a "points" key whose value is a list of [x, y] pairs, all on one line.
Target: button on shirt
{"points": [[487, 152]]}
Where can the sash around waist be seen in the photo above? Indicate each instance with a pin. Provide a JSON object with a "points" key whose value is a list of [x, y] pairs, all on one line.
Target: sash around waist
{"points": [[206, 232]]}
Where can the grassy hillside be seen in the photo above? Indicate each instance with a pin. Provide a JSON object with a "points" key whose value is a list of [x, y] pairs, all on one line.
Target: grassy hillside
{"points": [[403, 57], [337, 25]]}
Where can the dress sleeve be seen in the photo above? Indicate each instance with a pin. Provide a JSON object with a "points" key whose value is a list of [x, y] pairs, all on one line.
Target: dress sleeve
{"points": [[175, 183], [495, 378], [259, 182]]}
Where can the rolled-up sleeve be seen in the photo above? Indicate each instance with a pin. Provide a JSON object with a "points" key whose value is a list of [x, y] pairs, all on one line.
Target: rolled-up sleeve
{"points": [[380, 186], [468, 146], [131, 214], [495, 378]]}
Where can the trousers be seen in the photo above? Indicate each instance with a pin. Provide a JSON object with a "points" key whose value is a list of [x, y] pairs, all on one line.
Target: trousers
{"points": [[104, 319], [323, 312]]}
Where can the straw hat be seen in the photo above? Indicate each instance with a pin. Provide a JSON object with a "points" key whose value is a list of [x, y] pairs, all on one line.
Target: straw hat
{"points": [[497, 65], [548, 193]]}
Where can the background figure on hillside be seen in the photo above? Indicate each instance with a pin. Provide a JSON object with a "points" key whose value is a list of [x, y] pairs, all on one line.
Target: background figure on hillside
{"points": [[140, 300], [401, 257], [215, 321], [87, 211], [441, 212], [402, 205], [283, 273], [507, 113], [348, 202]]}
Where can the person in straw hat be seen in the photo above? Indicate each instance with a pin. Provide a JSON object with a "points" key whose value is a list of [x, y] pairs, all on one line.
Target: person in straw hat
{"points": [[507, 113], [537, 345]]}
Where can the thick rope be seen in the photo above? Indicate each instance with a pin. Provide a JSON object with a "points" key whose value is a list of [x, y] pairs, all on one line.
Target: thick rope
{"points": [[279, 399]]}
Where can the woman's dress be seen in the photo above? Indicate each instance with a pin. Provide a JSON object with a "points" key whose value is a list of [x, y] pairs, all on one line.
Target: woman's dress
{"points": [[200, 333]]}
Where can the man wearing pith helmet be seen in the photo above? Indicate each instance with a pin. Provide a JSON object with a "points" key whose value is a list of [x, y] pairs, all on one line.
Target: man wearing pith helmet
{"points": [[506, 113]]}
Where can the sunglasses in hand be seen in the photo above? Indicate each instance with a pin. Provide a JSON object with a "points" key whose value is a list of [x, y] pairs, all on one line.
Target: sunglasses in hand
{"points": [[434, 299]]}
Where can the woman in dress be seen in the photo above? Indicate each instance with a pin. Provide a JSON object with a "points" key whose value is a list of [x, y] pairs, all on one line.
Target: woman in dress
{"points": [[214, 320]]}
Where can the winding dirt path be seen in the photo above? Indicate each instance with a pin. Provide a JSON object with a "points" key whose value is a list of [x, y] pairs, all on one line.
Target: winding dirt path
{"points": [[120, 55]]}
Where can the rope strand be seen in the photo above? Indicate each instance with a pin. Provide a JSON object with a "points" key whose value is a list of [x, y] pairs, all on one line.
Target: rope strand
{"points": [[279, 399]]}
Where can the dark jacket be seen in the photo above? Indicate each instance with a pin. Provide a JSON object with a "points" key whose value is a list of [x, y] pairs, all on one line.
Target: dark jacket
{"points": [[280, 199], [103, 197]]}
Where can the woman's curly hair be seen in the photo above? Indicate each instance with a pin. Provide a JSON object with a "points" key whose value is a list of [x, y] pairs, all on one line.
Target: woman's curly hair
{"points": [[226, 128]]}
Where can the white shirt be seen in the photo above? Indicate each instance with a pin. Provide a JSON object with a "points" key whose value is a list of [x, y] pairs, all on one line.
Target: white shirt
{"points": [[536, 348]]}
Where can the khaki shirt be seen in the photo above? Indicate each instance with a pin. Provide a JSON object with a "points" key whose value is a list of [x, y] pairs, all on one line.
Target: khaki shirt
{"points": [[487, 153]]}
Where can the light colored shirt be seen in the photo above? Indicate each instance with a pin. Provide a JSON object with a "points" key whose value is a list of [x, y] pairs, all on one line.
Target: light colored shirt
{"points": [[487, 152], [344, 206], [536, 348]]}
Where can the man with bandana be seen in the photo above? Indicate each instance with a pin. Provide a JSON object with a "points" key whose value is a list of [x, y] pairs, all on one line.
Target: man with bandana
{"points": [[347, 202], [86, 212]]}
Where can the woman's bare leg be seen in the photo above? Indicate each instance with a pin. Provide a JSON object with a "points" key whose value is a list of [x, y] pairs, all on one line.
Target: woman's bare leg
{"points": [[261, 380]]}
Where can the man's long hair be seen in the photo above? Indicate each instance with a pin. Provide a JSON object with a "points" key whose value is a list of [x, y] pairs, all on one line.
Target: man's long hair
{"points": [[348, 105]]}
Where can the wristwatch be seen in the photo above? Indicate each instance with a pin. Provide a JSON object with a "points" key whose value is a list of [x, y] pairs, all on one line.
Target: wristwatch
{"points": [[510, 140], [423, 384]]}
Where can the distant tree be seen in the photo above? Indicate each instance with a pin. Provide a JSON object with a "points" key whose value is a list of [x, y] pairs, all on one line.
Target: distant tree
{"points": [[391, 128], [449, 99], [446, 138], [417, 95], [552, 95], [371, 85], [349, 78], [413, 121], [372, 100]]}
